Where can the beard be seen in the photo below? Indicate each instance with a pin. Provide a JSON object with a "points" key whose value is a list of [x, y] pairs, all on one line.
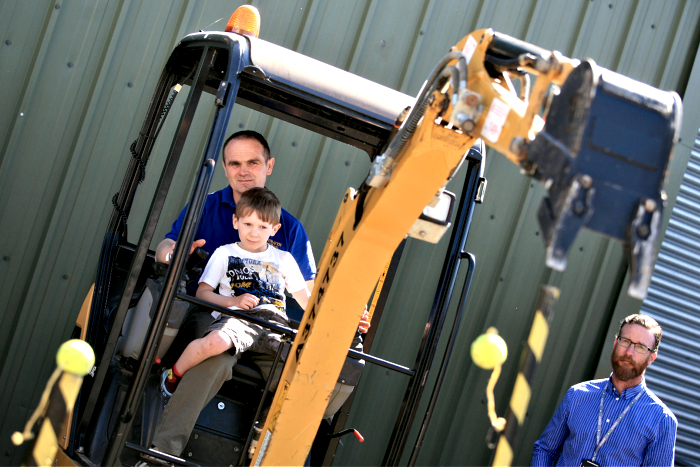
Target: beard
{"points": [[630, 371]]}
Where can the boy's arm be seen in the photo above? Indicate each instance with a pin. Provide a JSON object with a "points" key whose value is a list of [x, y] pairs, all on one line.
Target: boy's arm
{"points": [[302, 297], [245, 301]]}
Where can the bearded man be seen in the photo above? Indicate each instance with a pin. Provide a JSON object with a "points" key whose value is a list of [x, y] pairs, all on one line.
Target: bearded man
{"points": [[615, 421]]}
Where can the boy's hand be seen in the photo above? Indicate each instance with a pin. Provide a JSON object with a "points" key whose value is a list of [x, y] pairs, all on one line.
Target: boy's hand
{"points": [[246, 301], [364, 322]]}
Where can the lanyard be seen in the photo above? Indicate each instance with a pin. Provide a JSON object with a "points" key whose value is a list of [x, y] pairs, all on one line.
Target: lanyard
{"points": [[599, 442]]}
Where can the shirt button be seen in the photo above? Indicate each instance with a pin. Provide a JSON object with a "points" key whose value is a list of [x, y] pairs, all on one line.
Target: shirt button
{"points": [[608, 420], [617, 399]]}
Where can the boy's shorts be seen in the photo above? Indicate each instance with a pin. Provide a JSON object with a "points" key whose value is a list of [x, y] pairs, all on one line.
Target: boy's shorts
{"points": [[250, 336]]}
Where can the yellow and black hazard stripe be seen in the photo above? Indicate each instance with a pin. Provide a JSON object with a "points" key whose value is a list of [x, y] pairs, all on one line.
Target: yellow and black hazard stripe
{"points": [[61, 401], [57, 401], [520, 399], [74, 358]]}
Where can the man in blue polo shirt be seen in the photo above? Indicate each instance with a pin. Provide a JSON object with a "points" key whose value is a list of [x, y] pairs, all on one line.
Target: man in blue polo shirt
{"points": [[247, 163], [615, 421]]}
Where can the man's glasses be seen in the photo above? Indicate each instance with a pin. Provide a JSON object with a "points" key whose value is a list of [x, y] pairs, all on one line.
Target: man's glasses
{"points": [[639, 348]]}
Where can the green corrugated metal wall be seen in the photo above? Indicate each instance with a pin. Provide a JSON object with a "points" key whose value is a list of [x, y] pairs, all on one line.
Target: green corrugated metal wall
{"points": [[77, 76]]}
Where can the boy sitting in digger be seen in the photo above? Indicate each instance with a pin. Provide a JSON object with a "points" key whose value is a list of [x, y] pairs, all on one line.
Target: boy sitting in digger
{"points": [[250, 275]]}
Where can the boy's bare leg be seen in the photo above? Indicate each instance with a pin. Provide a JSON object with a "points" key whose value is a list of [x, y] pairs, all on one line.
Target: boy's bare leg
{"points": [[214, 343]]}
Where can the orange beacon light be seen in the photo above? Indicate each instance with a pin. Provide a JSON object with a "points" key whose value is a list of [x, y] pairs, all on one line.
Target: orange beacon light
{"points": [[245, 20]]}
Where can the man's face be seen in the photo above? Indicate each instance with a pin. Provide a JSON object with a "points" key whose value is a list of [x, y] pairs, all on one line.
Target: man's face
{"points": [[254, 232], [245, 165], [627, 362]]}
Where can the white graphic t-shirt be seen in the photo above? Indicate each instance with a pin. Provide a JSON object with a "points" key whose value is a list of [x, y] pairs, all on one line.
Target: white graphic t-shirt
{"points": [[266, 274]]}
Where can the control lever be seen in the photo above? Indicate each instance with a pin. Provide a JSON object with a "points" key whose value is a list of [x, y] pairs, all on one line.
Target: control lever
{"points": [[357, 434]]}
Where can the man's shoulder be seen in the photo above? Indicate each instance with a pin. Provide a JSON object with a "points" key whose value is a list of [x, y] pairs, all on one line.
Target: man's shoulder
{"points": [[214, 200], [292, 229], [588, 386], [658, 405], [286, 218], [217, 196]]}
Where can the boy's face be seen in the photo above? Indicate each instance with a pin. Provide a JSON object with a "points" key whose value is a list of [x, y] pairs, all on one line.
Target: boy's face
{"points": [[254, 232]]}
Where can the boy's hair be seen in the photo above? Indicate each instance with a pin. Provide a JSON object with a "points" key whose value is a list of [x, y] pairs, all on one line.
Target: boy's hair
{"points": [[646, 321], [261, 201], [247, 134]]}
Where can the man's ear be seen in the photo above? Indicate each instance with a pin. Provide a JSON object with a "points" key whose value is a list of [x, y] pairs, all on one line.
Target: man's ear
{"points": [[235, 222], [275, 229], [652, 357], [270, 165]]}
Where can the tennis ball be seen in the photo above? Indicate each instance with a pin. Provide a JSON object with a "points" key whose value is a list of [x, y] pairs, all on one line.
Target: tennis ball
{"points": [[17, 438], [75, 356], [489, 350]]}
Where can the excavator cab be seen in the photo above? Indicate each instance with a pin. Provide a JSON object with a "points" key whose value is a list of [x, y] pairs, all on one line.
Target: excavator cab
{"points": [[138, 306]]}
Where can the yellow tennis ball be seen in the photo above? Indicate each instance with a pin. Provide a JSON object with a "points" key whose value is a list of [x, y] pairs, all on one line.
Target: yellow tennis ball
{"points": [[17, 438], [489, 350], [75, 356]]}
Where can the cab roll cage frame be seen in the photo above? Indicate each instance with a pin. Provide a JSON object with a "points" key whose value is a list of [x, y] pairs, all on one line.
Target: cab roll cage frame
{"points": [[223, 66]]}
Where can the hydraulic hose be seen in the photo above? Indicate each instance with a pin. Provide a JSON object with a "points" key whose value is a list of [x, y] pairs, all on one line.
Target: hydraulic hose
{"points": [[422, 102]]}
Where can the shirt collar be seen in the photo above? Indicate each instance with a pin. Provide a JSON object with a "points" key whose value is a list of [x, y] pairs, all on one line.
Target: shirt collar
{"points": [[228, 196], [628, 393]]}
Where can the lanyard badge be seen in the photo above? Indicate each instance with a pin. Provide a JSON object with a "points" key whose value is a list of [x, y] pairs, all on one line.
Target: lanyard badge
{"points": [[600, 442]]}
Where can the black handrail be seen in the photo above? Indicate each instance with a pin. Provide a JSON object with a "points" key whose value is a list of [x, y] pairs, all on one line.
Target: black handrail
{"points": [[438, 312], [445, 359]]}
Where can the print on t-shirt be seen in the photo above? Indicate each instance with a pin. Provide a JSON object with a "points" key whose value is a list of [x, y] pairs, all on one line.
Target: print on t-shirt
{"points": [[259, 278]]}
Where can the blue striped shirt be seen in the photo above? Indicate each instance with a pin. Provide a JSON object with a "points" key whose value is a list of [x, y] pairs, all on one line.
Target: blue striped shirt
{"points": [[645, 436]]}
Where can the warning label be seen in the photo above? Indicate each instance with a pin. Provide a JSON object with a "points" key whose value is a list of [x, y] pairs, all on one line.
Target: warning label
{"points": [[469, 48], [498, 113]]}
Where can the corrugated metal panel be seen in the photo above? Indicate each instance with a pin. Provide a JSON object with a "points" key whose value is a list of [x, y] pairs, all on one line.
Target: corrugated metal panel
{"points": [[509, 257], [674, 301], [65, 133]]}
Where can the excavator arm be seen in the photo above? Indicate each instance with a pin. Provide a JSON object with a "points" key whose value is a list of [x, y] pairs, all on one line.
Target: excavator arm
{"points": [[600, 142]]}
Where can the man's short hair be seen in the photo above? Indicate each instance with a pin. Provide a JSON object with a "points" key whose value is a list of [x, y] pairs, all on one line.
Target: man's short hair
{"points": [[248, 134], [262, 202], [646, 321]]}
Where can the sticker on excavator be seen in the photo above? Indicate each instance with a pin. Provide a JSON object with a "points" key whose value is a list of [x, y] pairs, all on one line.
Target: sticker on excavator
{"points": [[469, 48], [498, 113]]}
